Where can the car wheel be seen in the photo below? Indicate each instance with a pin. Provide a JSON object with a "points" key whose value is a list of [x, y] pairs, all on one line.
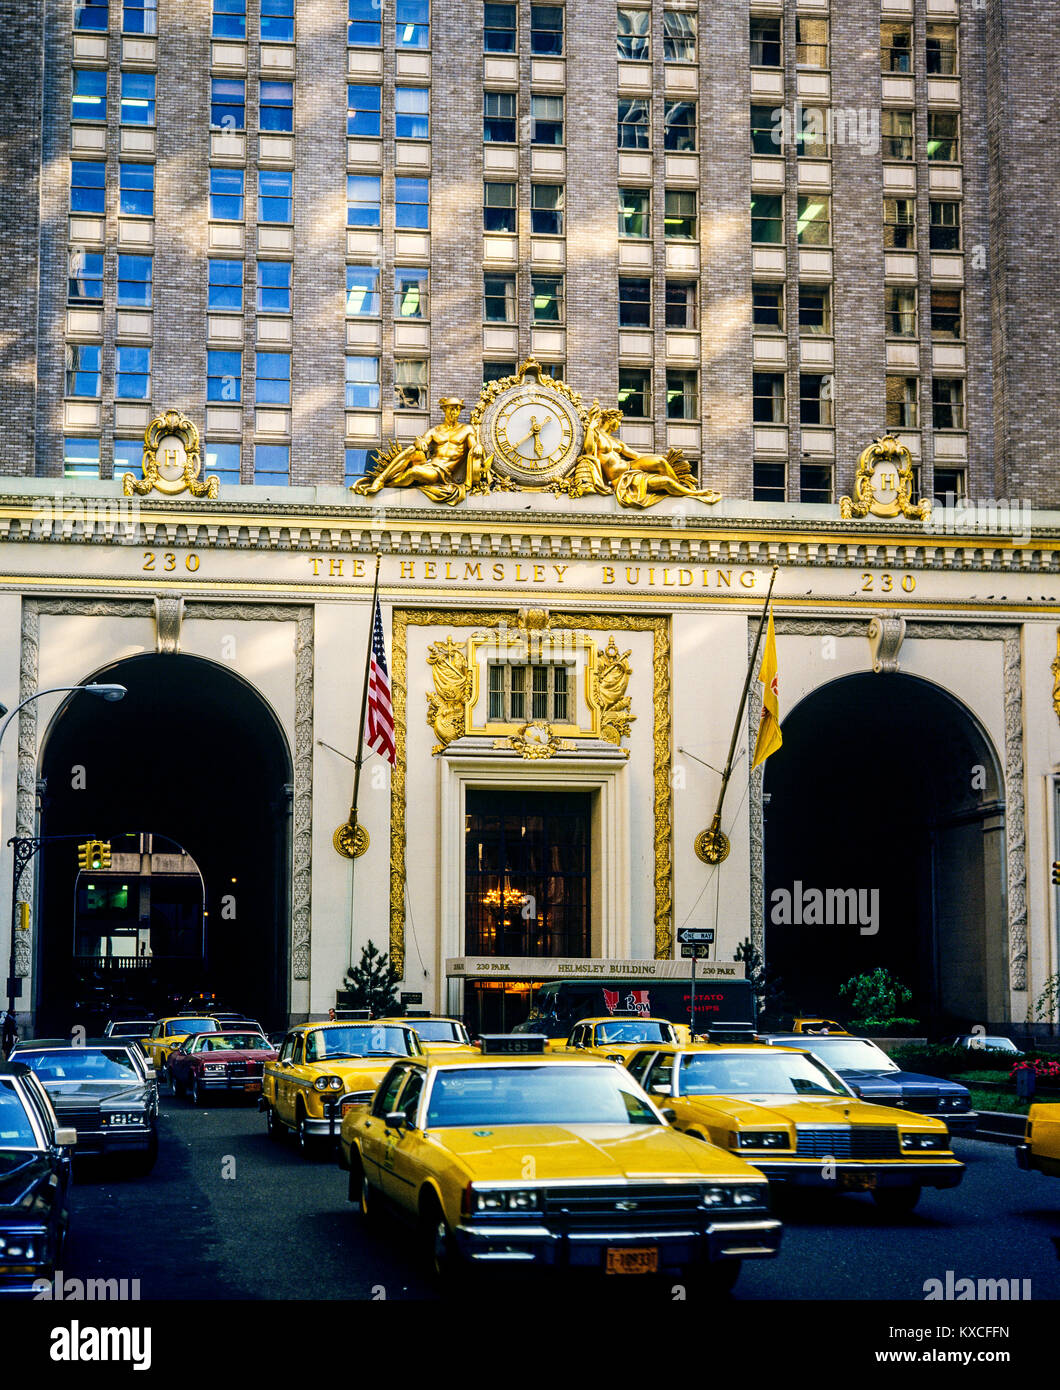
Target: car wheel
{"points": [[442, 1259], [897, 1201], [306, 1141], [197, 1096], [176, 1086], [273, 1126], [366, 1197]]}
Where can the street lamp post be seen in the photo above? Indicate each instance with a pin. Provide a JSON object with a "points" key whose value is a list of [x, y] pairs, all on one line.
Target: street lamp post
{"points": [[104, 691]]}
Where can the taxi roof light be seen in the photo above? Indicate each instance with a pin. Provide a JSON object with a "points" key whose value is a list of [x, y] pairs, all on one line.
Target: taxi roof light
{"points": [[513, 1043]]}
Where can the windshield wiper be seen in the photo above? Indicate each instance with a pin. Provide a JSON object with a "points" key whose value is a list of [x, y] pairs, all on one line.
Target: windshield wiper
{"points": [[341, 1056]]}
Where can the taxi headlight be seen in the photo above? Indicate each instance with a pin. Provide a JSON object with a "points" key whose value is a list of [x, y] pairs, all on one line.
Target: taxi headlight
{"points": [[925, 1141], [29, 1247], [615, 1057], [328, 1083], [213, 1066], [505, 1199], [751, 1195], [763, 1139]]}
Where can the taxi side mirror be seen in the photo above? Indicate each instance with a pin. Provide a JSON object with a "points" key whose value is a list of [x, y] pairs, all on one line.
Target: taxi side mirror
{"points": [[396, 1119], [662, 1090], [65, 1138], [670, 1115]]}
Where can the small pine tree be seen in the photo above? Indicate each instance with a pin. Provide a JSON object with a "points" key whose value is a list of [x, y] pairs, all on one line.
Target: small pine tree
{"points": [[372, 982]]}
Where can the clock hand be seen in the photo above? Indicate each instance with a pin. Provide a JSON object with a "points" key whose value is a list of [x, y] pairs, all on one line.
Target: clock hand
{"points": [[534, 432]]}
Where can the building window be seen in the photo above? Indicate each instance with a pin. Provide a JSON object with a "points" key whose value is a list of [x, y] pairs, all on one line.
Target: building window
{"points": [[943, 144], [362, 383], [410, 384], [275, 195], [896, 47], [946, 314], [682, 395], [951, 485], [947, 403], [412, 198], [811, 132], [679, 37], [88, 100], [815, 482], [546, 30], [814, 224], [634, 302], [224, 285], [272, 465], [137, 98], [634, 131], [517, 694], [546, 120], [767, 397], [272, 371], [139, 17], [679, 128], [767, 307], [634, 391], [136, 190], [363, 110], [228, 103], [766, 50], [498, 294], [134, 282], [498, 207], [277, 21], [498, 122], [546, 209], [815, 309], [498, 35], [679, 221], [634, 212], [362, 291], [229, 19], [224, 376], [222, 461], [276, 109], [362, 200], [766, 131], [941, 46], [132, 373], [274, 287], [83, 369], [899, 223], [91, 15], [681, 304], [546, 292], [811, 43], [358, 462], [80, 458], [88, 187], [896, 129], [767, 218], [413, 24], [900, 311], [634, 35], [496, 371], [226, 195], [410, 293], [412, 113], [768, 482], [903, 402], [85, 284], [365, 24], [944, 233], [128, 454], [816, 392]]}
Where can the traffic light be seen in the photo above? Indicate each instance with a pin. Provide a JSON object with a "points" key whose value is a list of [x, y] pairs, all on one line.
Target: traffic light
{"points": [[1056, 871], [94, 854], [103, 851], [84, 855]]}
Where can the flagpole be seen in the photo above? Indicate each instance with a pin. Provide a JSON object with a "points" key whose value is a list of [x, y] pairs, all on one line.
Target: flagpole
{"points": [[712, 845]]}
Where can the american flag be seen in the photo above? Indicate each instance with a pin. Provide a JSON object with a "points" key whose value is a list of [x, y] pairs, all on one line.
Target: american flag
{"points": [[379, 717]]}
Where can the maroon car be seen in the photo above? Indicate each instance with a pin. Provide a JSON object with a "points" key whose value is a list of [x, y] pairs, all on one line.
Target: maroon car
{"points": [[228, 1063]]}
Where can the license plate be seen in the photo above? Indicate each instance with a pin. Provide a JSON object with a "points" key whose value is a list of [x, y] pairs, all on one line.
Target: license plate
{"points": [[642, 1259], [857, 1182], [251, 1085]]}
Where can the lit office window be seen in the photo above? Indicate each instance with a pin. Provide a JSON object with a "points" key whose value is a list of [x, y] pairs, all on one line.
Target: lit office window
{"points": [[634, 391], [413, 24], [546, 293], [80, 458], [634, 212], [410, 292], [137, 98], [88, 100], [362, 291]]}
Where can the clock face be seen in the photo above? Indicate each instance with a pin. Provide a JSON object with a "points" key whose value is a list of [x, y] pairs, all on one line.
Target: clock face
{"points": [[534, 433]]}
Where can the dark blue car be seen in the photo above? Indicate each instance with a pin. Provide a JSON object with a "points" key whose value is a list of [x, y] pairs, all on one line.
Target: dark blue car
{"points": [[870, 1073]]}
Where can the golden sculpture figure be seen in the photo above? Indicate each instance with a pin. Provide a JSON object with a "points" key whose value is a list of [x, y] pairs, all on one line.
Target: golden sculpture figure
{"points": [[608, 464], [446, 708], [446, 463], [611, 679]]}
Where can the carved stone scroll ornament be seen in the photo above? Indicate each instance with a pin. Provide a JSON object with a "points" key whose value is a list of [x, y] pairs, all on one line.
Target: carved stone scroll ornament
{"points": [[536, 740], [886, 635], [169, 617]]}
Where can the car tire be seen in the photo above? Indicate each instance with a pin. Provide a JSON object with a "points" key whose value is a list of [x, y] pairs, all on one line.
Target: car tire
{"points": [[308, 1145], [176, 1088], [273, 1126], [897, 1201], [198, 1098], [444, 1264], [367, 1197]]}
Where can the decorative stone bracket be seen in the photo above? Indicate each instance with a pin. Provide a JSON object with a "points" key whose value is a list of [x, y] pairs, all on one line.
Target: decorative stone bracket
{"points": [[886, 635]]}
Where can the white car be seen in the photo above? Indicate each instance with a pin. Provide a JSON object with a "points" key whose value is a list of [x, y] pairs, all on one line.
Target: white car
{"points": [[984, 1043]]}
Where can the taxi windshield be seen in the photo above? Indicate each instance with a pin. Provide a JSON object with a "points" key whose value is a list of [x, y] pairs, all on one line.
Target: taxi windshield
{"points": [[360, 1040], [634, 1030], [851, 1054], [83, 1064], [177, 1027], [131, 1030], [230, 1042], [439, 1030], [534, 1095], [782, 1074], [16, 1131]]}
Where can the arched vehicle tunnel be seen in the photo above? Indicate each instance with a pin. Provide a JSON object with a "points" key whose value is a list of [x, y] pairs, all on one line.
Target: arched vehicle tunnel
{"points": [[887, 785], [196, 758]]}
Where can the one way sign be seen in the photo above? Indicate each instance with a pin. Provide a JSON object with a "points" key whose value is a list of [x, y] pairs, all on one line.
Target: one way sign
{"points": [[695, 936]]}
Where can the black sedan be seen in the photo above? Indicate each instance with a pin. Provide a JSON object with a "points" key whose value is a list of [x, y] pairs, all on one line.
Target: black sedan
{"points": [[34, 1181], [871, 1074], [103, 1090]]}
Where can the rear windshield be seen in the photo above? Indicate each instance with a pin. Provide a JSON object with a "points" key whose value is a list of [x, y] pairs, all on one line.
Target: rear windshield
{"points": [[82, 1064], [179, 1026]]}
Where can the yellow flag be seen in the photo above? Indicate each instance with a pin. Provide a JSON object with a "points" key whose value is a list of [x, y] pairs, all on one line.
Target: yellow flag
{"points": [[769, 736]]}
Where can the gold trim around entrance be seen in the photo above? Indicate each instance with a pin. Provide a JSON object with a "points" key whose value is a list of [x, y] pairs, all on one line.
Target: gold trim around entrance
{"points": [[662, 756]]}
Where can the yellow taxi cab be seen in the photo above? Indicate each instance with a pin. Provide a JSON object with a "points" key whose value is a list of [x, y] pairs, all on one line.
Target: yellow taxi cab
{"points": [[618, 1036], [436, 1033], [1040, 1151], [797, 1122], [169, 1033], [323, 1069], [517, 1158], [805, 1024]]}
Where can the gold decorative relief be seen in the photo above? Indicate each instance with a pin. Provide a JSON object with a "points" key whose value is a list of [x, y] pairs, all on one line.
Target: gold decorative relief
{"points": [[172, 461], [447, 707], [350, 840], [536, 740], [1055, 668], [883, 484], [609, 680]]}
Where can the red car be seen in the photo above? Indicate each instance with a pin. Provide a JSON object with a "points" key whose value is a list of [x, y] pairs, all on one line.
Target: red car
{"points": [[228, 1062]]}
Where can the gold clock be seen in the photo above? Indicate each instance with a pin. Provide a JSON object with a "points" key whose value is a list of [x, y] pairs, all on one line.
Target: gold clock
{"points": [[534, 432]]}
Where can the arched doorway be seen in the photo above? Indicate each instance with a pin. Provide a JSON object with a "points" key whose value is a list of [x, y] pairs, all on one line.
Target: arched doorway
{"points": [[195, 758], [888, 786]]}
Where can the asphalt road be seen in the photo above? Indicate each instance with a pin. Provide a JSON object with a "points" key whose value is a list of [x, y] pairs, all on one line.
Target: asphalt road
{"points": [[227, 1214]]}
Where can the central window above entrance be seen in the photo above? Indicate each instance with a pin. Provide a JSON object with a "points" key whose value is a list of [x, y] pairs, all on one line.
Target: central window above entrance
{"points": [[518, 693]]}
